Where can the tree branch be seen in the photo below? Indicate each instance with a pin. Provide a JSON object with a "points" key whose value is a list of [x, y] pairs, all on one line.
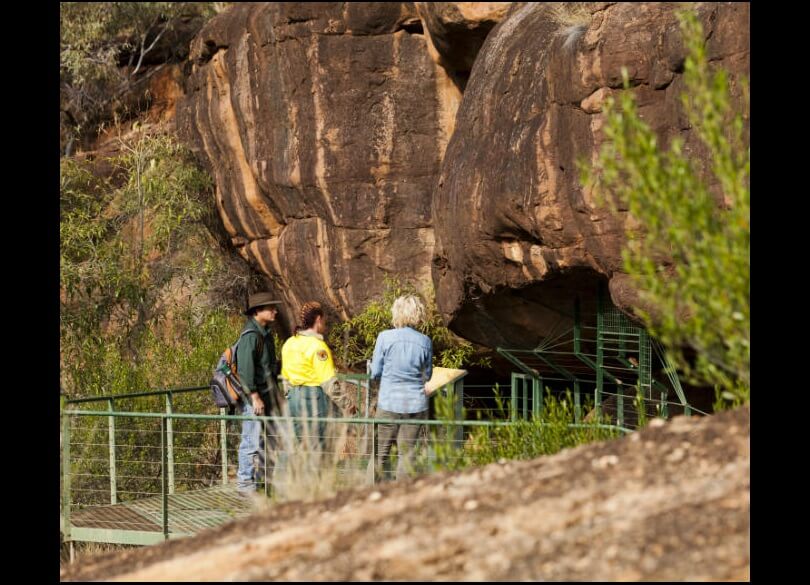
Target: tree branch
{"points": [[152, 46]]}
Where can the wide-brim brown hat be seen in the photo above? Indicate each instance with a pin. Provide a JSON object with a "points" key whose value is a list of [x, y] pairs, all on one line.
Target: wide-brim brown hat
{"points": [[260, 300]]}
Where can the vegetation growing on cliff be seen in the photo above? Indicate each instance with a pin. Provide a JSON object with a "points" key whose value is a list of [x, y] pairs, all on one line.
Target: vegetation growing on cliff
{"points": [[132, 310], [691, 260], [353, 340], [105, 57]]}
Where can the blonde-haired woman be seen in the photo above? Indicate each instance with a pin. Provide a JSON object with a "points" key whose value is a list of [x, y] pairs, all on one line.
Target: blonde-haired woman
{"points": [[402, 360]]}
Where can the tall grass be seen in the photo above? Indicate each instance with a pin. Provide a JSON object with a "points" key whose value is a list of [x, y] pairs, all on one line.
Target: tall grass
{"points": [[306, 469], [550, 432], [312, 473], [85, 551]]}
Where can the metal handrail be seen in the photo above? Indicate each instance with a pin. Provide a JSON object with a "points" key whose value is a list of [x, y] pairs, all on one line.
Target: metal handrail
{"points": [[165, 391], [167, 455], [346, 420]]}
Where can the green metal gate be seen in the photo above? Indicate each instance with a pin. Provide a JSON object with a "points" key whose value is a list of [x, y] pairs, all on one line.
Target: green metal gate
{"points": [[609, 355]]}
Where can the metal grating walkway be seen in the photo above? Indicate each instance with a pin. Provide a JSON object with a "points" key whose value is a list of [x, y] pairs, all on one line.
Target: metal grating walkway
{"points": [[189, 513]]}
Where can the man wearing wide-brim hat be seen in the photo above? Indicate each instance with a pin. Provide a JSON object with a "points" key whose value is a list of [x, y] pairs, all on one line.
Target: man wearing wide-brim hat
{"points": [[257, 368]]}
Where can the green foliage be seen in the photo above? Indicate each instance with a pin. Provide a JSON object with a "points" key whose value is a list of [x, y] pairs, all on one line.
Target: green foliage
{"points": [[105, 246], [102, 48], [133, 310], [447, 453], [185, 352], [122, 243], [725, 400], [690, 260], [555, 429], [137, 312], [449, 351], [179, 353]]}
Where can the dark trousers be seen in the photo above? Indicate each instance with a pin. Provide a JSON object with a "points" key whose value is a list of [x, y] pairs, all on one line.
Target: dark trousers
{"points": [[313, 403], [405, 436], [302, 443]]}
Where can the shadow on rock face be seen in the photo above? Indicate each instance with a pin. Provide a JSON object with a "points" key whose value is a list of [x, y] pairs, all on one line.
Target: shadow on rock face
{"points": [[523, 318]]}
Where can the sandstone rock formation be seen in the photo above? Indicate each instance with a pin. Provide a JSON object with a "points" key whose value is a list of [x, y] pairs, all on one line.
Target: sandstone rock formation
{"points": [[324, 126], [516, 236], [458, 29]]}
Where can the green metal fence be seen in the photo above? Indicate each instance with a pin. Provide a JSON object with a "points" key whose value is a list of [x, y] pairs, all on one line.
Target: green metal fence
{"points": [[142, 467], [145, 467], [601, 353]]}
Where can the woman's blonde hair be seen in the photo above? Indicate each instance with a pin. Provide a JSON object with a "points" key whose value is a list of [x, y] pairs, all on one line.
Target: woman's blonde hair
{"points": [[407, 311]]}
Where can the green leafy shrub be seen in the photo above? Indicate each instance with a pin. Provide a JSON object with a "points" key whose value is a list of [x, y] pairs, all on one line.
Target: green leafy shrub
{"points": [[357, 345], [101, 56], [555, 429], [690, 261]]}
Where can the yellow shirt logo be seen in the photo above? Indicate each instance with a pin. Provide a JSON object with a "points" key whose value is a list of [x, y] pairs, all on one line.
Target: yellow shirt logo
{"points": [[306, 361]]}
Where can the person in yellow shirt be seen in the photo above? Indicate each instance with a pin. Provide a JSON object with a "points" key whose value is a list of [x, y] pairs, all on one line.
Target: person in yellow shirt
{"points": [[308, 368]]}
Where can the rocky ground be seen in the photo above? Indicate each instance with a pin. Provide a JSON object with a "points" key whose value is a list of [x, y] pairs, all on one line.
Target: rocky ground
{"points": [[671, 502]]}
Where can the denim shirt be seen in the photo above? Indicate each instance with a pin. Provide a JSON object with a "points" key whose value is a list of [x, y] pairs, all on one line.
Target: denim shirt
{"points": [[403, 358]]}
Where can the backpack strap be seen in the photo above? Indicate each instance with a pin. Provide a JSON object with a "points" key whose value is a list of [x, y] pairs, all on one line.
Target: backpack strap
{"points": [[230, 356], [261, 339], [241, 335]]}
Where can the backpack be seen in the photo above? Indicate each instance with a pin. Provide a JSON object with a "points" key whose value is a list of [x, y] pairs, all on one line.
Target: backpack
{"points": [[225, 386]]}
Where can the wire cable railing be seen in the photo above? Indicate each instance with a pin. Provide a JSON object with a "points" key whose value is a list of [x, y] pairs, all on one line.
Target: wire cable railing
{"points": [[144, 477]]}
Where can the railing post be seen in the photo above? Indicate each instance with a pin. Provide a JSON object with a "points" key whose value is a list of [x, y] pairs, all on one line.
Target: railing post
{"points": [[265, 426], [524, 387], [600, 351], [577, 406], [113, 478], [223, 432], [458, 394], [66, 476], [644, 365], [164, 484], [367, 400], [513, 401], [368, 387], [620, 406], [373, 453], [170, 442], [686, 410], [537, 397], [664, 409]]}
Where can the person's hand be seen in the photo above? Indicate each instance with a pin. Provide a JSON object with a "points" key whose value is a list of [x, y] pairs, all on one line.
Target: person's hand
{"points": [[426, 391], [258, 404]]}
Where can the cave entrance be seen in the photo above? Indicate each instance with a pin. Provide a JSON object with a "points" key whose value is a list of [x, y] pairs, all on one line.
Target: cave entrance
{"points": [[605, 360]]}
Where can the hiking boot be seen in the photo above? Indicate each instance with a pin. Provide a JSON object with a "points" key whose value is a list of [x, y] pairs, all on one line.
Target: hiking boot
{"points": [[255, 499]]}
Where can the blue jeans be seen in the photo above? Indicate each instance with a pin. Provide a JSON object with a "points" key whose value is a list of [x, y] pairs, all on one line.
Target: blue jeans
{"points": [[251, 450]]}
